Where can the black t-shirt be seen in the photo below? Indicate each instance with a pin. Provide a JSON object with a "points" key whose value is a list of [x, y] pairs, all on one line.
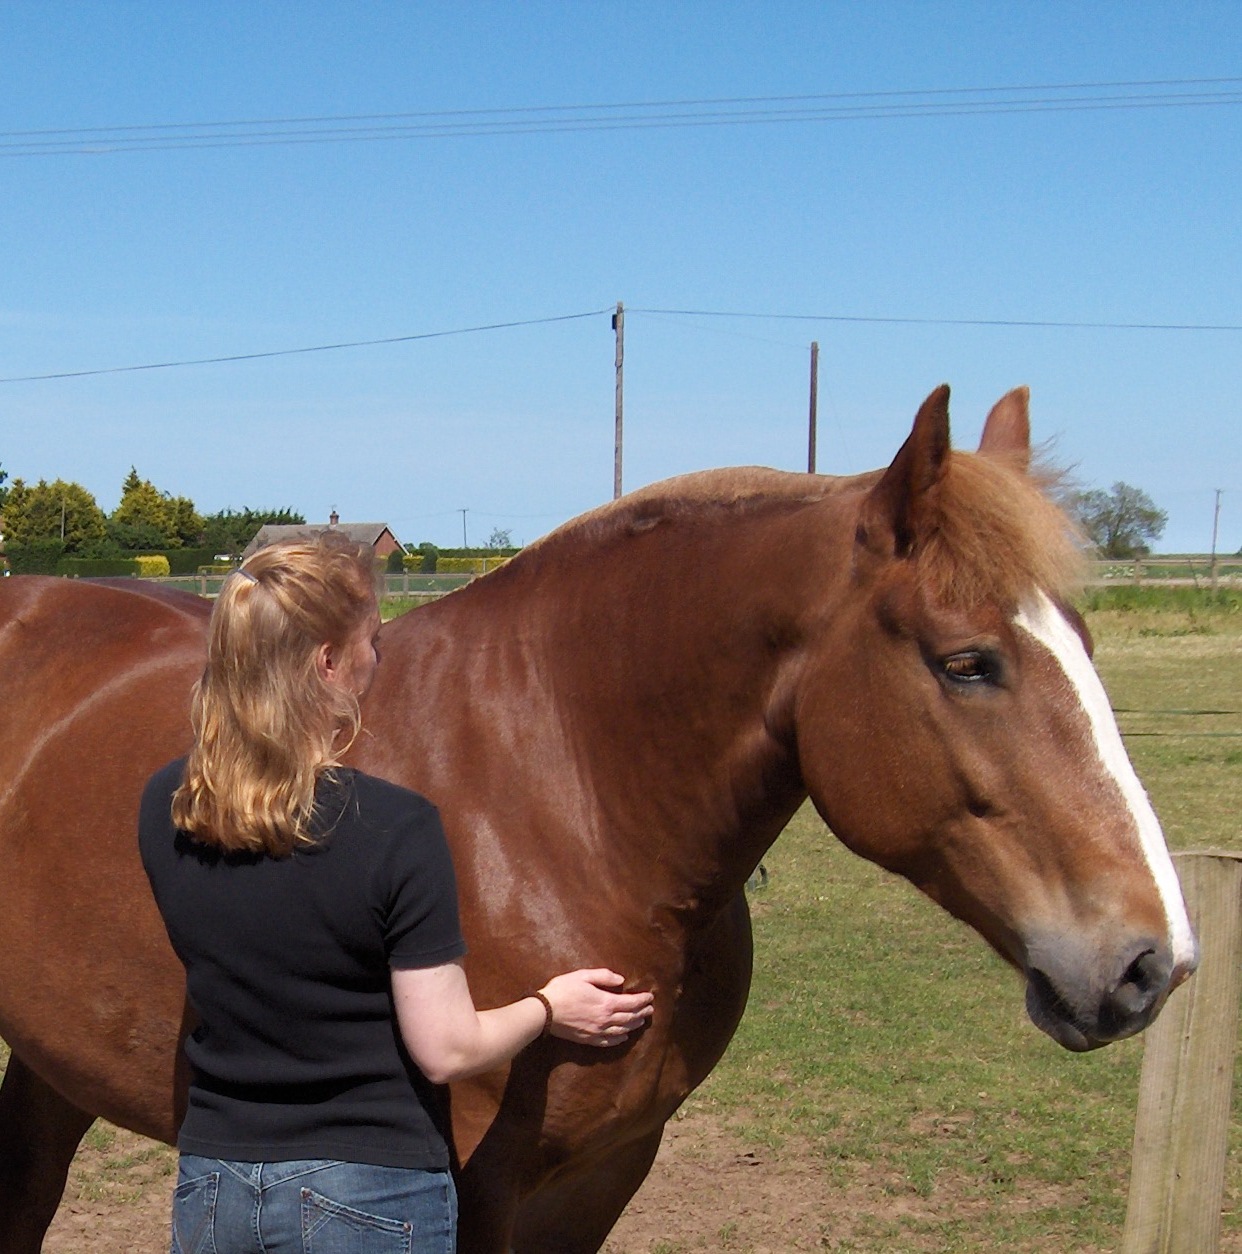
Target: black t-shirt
{"points": [[298, 1054]]}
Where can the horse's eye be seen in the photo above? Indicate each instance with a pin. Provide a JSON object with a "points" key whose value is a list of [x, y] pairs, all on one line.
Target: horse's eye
{"points": [[967, 668]]}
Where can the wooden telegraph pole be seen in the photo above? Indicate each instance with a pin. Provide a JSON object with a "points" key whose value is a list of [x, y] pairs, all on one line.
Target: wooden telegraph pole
{"points": [[1215, 528], [618, 325], [810, 457]]}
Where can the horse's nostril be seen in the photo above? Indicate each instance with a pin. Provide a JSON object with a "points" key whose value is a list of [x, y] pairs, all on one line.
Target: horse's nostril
{"points": [[1147, 971], [1139, 988]]}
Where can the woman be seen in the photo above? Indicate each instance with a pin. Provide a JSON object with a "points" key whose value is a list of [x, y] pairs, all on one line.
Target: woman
{"points": [[315, 910]]}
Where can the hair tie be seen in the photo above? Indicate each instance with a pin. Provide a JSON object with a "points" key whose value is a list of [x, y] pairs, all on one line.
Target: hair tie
{"points": [[245, 574]]}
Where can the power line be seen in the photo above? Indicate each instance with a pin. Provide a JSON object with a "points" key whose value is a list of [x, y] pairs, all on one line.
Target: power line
{"points": [[544, 119], [292, 352], [1047, 324], [947, 322], [638, 104]]}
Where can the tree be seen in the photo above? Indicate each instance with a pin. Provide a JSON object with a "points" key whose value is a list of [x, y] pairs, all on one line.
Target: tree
{"points": [[230, 530], [185, 523], [1119, 522], [4, 474], [129, 537], [501, 538], [52, 511], [145, 511]]}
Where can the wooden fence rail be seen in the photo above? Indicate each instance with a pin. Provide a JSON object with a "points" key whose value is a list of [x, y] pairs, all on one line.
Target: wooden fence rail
{"points": [[1177, 1174], [1189, 571]]}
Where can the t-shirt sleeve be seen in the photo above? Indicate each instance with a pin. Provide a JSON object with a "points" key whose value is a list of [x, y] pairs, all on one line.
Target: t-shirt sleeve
{"points": [[422, 927], [155, 831]]}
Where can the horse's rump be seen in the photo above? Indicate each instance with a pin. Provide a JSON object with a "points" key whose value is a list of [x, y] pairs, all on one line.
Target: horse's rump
{"points": [[94, 684]]}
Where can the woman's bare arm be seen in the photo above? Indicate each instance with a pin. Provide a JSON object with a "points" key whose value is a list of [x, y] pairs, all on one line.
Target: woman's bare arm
{"points": [[449, 1039]]}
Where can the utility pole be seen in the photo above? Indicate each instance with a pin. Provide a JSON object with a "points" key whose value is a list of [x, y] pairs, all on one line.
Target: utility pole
{"points": [[1215, 527], [618, 325], [814, 421], [464, 545]]}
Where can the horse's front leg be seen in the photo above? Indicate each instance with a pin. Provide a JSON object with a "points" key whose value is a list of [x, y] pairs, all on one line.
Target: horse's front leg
{"points": [[39, 1134], [576, 1212]]}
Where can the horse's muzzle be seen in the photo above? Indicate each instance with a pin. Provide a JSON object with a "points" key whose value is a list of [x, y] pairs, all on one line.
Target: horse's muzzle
{"points": [[1083, 1005]]}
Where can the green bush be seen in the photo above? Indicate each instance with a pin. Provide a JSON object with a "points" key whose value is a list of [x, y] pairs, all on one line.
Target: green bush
{"points": [[151, 565], [96, 567], [187, 561], [395, 562], [468, 565], [35, 557], [423, 562]]}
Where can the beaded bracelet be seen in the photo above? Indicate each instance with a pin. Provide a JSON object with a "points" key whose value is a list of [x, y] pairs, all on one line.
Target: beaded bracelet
{"points": [[547, 1011]]}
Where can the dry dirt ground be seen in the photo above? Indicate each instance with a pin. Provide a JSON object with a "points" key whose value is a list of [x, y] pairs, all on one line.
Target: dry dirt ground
{"points": [[707, 1191]]}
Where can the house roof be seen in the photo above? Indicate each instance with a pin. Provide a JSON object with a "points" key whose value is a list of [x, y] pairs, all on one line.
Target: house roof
{"points": [[360, 533]]}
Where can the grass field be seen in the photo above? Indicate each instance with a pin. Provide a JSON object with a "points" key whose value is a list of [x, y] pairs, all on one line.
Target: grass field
{"points": [[884, 1042]]}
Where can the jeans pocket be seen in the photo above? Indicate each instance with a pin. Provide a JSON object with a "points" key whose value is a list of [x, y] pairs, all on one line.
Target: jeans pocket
{"points": [[194, 1214], [330, 1227]]}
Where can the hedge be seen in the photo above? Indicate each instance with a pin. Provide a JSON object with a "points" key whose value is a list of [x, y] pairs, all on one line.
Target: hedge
{"points": [[96, 567], [146, 565], [185, 561], [467, 565], [36, 557]]}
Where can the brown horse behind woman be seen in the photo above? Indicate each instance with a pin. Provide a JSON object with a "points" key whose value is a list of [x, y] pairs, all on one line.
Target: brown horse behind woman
{"points": [[615, 727]]}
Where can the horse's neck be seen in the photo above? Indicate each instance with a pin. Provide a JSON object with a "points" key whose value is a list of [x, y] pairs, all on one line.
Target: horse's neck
{"points": [[645, 693]]}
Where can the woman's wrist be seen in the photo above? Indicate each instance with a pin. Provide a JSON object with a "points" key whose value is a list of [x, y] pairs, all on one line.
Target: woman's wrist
{"points": [[542, 998]]}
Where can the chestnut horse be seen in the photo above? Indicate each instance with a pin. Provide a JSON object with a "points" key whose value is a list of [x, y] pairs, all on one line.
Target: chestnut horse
{"points": [[616, 726]]}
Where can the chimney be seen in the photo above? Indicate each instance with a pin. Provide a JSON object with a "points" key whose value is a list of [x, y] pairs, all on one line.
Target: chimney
{"points": [[333, 518]]}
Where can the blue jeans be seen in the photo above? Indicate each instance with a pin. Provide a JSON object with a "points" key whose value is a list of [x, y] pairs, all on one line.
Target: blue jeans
{"points": [[311, 1206]]}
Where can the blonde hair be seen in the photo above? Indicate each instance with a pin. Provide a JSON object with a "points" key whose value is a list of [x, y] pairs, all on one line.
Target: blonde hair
{"points": [[266, 723]]}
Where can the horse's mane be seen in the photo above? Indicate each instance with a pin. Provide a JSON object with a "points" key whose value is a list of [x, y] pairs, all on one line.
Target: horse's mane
{"points": [[732, 490], [997, 533]]}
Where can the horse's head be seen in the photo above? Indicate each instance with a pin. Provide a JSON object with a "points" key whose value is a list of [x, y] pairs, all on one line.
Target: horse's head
{"points": [[952, 728]]}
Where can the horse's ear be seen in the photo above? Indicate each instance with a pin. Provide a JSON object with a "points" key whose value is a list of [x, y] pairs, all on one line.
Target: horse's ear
{"points": [[901, 508], [1007, 432]]}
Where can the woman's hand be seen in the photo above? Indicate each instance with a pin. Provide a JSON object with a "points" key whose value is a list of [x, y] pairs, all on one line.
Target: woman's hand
{"points": [[449, 1039], [588, 1007]]}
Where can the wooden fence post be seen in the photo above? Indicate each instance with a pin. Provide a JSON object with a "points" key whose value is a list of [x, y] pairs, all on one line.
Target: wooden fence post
{"points": [[1177, 1175]]}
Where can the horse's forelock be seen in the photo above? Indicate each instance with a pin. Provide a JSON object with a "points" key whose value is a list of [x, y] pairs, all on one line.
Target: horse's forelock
{"points": [[999, 535]]}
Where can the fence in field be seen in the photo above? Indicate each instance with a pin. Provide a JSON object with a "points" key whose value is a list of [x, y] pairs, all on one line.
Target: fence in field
{"points": [[1177, 1174], [411, 586], [1192, 570], [1187, 571]]}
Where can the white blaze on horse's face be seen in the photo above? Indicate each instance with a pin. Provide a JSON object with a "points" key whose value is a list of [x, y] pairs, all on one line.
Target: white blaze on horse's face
{"points": [[1041, 619]]}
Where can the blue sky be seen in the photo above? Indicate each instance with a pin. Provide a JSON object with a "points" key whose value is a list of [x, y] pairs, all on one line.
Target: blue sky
{"points": [[119, 256]]}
